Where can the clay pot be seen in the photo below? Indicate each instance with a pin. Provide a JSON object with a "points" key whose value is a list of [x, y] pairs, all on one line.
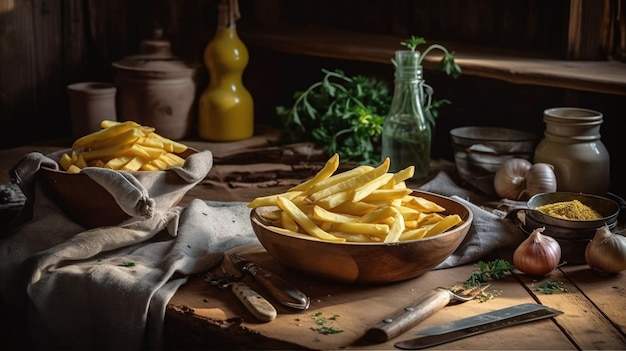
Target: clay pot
{"points": [[156, 89], [90, 103]]}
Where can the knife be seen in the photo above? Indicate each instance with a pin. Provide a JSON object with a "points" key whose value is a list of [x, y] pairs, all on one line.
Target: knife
{"points": [[478, 324], [412, 314], [282, 291]]}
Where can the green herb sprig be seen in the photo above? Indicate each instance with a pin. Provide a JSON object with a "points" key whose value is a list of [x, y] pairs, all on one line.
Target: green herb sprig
{"points": [[447, 63], [487, 271], [550, 287], [323, 323]]}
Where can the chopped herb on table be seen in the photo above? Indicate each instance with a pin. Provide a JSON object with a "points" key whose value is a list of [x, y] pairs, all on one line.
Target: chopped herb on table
{"points": [[324, 324], [550, 287]]}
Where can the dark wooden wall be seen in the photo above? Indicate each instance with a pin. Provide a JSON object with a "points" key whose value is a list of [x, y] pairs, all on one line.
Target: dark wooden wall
{"points": [[47, 44]]}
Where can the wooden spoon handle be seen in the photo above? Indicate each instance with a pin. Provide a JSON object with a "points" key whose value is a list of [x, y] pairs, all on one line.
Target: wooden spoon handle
{"points": [[409, 316]]}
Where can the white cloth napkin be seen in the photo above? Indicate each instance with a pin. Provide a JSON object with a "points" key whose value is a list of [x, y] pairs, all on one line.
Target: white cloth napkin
{"points": [[490, 230], [107, 288]]}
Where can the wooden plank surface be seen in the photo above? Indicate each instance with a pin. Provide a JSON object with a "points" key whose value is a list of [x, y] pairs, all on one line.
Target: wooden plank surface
{"points": [[583, 319], [358, 307]]}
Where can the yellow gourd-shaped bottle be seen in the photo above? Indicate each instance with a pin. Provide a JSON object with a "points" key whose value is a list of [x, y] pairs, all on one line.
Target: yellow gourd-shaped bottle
{"points": [[226, 108]]}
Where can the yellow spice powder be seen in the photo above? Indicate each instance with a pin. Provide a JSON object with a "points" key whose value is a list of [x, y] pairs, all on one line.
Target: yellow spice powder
{"points": [[572, 210]]}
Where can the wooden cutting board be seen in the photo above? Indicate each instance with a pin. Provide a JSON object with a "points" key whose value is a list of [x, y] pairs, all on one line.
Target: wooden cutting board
{"points": [[200, 315]]}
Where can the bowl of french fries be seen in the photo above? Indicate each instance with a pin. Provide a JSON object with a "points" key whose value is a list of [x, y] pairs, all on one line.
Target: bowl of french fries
{"points": [[361, 225], [119, 146]]}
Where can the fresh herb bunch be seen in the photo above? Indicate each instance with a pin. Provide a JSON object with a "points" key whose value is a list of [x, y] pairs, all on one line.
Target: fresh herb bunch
{"points": [[345, 114], [492, 270], [342, 114]]}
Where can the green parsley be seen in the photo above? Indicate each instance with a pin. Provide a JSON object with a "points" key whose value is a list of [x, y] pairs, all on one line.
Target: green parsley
{"points": [[342, 114], [487, 271], [550, 287], [127, 264], [323, 324]]}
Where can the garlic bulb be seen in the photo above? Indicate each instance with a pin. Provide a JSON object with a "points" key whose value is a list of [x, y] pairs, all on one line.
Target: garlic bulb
{"points": [[537, 255], [540, 179], [509, 180], [607, 251]]}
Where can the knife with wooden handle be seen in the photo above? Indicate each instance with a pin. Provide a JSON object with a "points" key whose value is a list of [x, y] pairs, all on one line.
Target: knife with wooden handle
{"points": [[281, 290], [260, 308], [407, 317]]}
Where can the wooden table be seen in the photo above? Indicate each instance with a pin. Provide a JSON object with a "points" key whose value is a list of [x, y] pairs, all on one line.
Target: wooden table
{"points": [[201, 316]]}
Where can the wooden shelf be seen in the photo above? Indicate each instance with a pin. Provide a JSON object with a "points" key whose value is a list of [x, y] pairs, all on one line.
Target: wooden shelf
{"points": [[607, 77]]}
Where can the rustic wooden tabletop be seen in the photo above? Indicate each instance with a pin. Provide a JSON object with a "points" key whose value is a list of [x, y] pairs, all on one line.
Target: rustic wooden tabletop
{"points": [[200, 316]]}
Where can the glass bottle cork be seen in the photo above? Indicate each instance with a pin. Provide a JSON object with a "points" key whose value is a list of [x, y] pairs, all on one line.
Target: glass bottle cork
{"points": [[572, 145]]}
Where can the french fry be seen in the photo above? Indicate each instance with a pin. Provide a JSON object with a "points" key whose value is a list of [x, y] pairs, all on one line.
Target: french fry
{"points": [[421, 204], [350, 183], [106, 133], [292, 233], [134, 164], [329, 168], [126, 146], [270, 200], [355, 208], [397, 228], [379, 214], [387, 194], [288, 222], [364, 190], [324, 215], [414, 234], [337, 178], [443, 225], [364, 204], [304, 221], [369, 229]]}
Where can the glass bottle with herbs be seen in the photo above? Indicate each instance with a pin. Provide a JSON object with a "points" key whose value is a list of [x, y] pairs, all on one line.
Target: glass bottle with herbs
{"points": [[407, 135], [407, 130]]}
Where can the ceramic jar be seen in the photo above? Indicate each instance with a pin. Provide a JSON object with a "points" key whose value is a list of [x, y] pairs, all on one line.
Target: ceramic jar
{"points": [[90, 103], [572, 145], [156, 89]]}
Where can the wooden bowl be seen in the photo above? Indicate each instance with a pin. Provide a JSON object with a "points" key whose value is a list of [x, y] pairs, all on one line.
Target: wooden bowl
{"points": [[367, 263], [87, 202]]}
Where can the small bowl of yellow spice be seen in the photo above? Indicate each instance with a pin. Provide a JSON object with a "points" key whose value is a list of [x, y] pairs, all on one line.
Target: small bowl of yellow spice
{"points": [[572, 210], [572, 219]]}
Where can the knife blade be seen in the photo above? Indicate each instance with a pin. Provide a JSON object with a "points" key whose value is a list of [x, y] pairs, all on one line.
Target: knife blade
{"points": [[478, 324], [280, 289]]}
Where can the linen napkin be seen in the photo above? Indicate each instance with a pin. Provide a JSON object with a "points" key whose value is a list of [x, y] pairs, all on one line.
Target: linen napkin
{"points": [[490, 229], [107, 288]]}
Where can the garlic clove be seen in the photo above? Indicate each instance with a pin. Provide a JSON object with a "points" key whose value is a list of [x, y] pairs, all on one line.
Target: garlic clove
{"points": [[509, 180], [538, 255], [606, 252], [540, 178]]}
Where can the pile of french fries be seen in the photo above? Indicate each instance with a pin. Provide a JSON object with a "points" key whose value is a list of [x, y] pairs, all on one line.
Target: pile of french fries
{"points": [[364, 204], [125, 146]]}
